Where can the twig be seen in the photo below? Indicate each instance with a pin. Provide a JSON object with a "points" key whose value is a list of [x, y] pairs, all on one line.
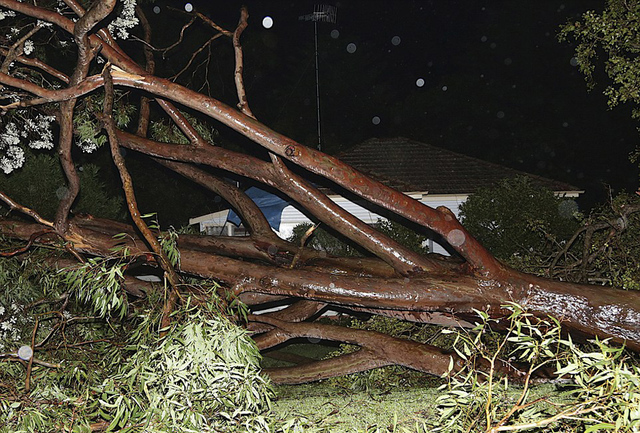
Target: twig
{"points": [[17, 49], [304, 239], [15, 357], [243, 104], [37, 63], [27, 381], [164, 51], [28, 211], [194, 55], [212, 24], [32, 239], [567, 414]]}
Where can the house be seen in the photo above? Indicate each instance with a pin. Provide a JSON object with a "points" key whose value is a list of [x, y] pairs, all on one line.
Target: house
{"points": [[432, 175]]}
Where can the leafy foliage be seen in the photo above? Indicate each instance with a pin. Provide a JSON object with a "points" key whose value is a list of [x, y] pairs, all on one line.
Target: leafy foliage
{"points": [[612, 35], [27, 187], [101, 363], [202, 375], [166, 132], [98, 283], [602, 390], [88, 130], [519, 222], [614, 32]]}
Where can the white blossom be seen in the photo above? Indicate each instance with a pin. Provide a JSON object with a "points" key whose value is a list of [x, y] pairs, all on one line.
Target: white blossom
{"points": [[41, 23], [12, 159], [125, 21], [5, 14], [10, 136], [87, 146], [2, 310], [6, 326], [40, 128], [28, 47]]}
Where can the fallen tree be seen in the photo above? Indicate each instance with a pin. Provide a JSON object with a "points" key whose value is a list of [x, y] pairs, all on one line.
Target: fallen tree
{"points": [[261, 268]]}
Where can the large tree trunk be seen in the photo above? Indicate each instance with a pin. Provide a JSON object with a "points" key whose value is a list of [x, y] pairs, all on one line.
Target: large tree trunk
{"points": [[393, 281]]}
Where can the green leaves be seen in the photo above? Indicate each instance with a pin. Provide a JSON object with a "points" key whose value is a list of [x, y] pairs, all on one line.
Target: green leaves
{"points": [[518, 221], [602, 389], [203, 374], [98, 283]]}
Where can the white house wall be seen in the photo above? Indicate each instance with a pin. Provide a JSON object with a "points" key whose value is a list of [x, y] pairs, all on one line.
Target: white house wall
{"points": [[216, 223], [292, 217]]}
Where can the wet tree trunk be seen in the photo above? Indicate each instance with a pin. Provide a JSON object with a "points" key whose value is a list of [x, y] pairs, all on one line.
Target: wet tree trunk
{"points": [[393, 281]]}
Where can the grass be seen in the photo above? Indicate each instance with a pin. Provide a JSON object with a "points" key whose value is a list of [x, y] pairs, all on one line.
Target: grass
{"points": [[349, 404], [391, 399], [340, 410]]}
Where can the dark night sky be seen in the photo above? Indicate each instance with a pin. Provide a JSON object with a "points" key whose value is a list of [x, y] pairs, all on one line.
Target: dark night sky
{"points": [[497, 83]]}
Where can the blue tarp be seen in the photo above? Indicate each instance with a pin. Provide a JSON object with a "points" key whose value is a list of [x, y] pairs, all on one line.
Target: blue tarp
{"points": [[270, 204]]}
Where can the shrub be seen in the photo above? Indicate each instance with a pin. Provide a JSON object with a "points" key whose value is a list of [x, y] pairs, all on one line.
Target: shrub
{"points": [[519, 222]]}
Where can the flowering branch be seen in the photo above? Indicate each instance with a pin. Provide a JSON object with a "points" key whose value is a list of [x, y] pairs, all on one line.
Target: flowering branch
{"points": [[18, 48]]}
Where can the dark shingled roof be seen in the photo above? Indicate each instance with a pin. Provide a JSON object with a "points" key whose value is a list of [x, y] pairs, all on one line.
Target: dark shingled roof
{"points": [[409, 165]]}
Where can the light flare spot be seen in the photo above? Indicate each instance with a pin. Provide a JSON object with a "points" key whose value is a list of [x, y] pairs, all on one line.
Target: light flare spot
{"points": [[25, 353], [267, 22], [456, 237]]}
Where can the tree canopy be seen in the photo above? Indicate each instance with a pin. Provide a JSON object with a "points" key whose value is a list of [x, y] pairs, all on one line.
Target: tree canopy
{"points": [[607, 51]]}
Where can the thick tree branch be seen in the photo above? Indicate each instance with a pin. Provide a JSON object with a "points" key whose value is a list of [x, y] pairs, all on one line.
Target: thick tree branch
{"points": [[127, 185], [96, 13], [589, 309], [379, 349], [150, 65], [441, 221], [250, 212], [401, 259]]}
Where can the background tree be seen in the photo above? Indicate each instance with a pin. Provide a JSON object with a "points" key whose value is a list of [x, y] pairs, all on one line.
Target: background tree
{"points": [[520, 223], [535, 231], [27, 187], [612, 35]]}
